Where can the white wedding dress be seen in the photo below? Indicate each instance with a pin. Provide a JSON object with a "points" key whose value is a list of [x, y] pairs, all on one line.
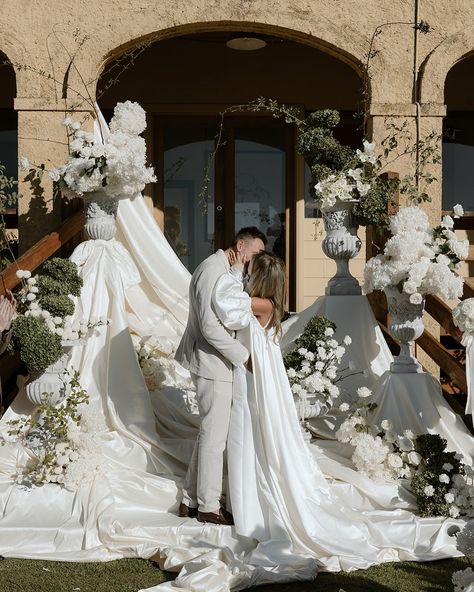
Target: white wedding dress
{"points": [[279, 495]]}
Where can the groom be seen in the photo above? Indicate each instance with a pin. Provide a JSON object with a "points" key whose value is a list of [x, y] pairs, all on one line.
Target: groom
{"points": [[210, 351]]}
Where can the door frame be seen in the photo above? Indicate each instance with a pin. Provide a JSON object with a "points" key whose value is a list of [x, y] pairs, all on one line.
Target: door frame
{"points": [[224, 185]]}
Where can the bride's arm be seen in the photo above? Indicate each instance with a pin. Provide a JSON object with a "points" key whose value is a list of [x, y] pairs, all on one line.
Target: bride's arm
{"points": [[231, 303]]}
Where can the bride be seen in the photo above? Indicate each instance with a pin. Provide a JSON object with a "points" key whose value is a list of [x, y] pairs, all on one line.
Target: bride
{"points": [[278, 493]]}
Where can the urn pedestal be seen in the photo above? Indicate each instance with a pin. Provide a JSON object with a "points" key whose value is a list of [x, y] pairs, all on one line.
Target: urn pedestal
{"points": [[341, 244], [406, 325]]}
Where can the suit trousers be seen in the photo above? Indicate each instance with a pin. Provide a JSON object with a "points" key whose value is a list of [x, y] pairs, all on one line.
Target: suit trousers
{"points": [[203, 482]]}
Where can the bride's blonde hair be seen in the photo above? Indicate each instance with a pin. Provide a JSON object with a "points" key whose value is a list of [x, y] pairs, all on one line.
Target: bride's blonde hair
{"points": [[268, 280]]}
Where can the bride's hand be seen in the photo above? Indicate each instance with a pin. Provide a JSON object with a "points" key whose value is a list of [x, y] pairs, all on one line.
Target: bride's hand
{"points": [[236, 260]]}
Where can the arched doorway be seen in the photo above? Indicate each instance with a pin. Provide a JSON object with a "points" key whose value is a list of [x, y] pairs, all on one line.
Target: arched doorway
{"points": [[8, 158], [257, 178], [458, 140]]}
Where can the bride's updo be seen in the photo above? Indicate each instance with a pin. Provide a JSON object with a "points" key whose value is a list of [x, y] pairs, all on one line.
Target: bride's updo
{"points": [[268, 280]]}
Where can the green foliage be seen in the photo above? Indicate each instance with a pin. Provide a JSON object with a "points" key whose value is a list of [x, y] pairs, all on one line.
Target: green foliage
{"points": [[64, 271], [320, 149], [37, 346], [8, 193], [373, 209], [313, 332], [58, 306], [432, 449]]}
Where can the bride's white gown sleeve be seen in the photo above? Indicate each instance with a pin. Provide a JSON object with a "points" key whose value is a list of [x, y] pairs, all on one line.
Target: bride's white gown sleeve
{"points": [[289, 519]]}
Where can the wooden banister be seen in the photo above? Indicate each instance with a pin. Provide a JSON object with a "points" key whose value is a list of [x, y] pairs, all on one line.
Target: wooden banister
{"points": [[42, 250], [443, 314], [445, 360]]}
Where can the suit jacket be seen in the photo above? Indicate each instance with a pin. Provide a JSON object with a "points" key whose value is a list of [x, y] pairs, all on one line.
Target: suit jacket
{"points": [[207, 348]]}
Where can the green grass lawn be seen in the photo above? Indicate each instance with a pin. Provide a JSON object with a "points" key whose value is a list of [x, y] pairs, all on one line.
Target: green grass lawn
{"points": [[130, 575]]}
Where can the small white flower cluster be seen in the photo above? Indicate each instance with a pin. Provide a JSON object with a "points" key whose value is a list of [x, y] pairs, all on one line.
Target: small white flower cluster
{"points": [[348, 185], [314, 378], [68, 457], [117, 166], [68, 328], [379, 452], [159, 368], [460, 496], [70, 462], [463, 580], [417, 259], [463, 316]]}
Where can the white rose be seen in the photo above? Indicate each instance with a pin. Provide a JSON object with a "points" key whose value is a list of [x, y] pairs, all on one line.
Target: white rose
{"points": [[31, 297], [344, 407], [429, 491], [329, 332], [364, 392], [449, 498], [409, 287], [443, 478], [414, 458], [416, 298], [447, 222], [347, 340]]}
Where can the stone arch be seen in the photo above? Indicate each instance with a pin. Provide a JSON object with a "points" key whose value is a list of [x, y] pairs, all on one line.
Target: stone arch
{"points": [[323, 43], [439, 62], [11, 46]]}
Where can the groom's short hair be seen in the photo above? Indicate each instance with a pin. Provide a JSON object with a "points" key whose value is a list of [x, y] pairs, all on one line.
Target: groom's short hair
{"points": [[250, 232]]}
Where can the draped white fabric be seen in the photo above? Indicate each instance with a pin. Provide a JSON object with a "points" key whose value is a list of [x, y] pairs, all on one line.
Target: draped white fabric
{"points": [[415, 402], [343, 521], [468, 342]]}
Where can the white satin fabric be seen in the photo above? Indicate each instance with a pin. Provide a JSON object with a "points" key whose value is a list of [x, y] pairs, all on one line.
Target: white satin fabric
{"points": [[468, 342], [415, 402]]}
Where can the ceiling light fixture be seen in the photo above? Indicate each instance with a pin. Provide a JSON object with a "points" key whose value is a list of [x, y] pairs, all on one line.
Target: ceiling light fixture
{"points": [[246, 43]]}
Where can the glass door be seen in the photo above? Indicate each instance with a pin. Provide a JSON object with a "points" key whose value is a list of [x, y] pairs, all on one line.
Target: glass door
{"points": [[251, 183]]}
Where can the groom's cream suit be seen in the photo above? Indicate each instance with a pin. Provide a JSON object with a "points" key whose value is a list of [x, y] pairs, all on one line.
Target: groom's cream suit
{"points": [[209, 351]]}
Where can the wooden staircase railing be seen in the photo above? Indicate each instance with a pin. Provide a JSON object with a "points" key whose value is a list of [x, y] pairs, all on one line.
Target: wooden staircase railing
{"points": [[45, 248]]}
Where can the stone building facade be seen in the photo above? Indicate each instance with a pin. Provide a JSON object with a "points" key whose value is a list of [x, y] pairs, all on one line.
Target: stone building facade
{"points": [[173, 58]]}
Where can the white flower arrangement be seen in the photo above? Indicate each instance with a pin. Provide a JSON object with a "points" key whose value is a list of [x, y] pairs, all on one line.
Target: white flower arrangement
{"points": [[159, 368], [463, 316], [348, 185], [67, 327], [379, 453], [463, 580], [314, 370], [61, 441], [443, 485], [117, 166], [418, 260]]}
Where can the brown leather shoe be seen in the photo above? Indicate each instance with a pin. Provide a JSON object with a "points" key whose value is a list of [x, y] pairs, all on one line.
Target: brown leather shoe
{"points": [[185, 511], [223, 517]]}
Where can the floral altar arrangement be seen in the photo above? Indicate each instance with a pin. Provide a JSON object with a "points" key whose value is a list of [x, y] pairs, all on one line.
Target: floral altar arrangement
{"points": [[60, 440], [442, 484], [416, 261], [313, 367], [44, 320], [115, 166]]}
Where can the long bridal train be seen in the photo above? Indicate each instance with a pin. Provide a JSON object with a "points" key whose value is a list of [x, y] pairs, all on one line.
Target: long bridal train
{"points": [[129, 508]]}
